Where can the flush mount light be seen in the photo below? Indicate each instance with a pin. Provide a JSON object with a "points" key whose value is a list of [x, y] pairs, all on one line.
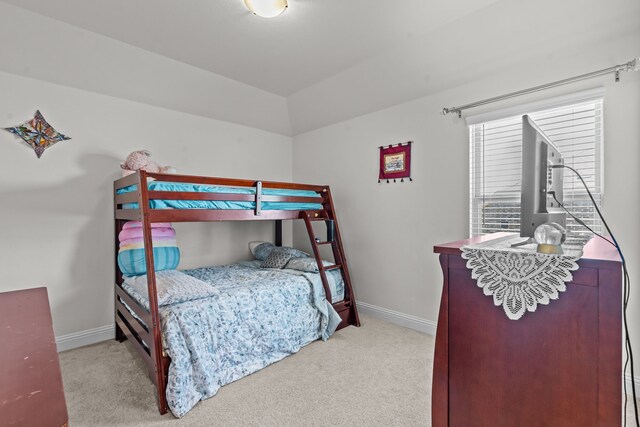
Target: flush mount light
{"points": [[266, 8]]}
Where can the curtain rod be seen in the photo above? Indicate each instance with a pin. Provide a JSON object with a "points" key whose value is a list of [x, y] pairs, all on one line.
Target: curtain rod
{"points": [[633, 65]]}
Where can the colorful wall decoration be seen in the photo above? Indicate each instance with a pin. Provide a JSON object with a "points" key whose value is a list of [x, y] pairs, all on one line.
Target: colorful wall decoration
{"points": [[395, 162], [39, 134]]}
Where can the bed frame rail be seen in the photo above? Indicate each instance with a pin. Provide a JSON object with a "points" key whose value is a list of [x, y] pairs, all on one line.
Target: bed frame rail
{"points": [[137, 332], [191, 215]]}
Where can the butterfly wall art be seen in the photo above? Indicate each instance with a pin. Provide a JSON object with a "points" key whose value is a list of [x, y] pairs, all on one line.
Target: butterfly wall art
{"points": [[38, 133]]}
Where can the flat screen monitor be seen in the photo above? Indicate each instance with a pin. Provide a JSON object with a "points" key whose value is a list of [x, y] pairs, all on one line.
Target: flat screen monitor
{"points": [[539, 180]]}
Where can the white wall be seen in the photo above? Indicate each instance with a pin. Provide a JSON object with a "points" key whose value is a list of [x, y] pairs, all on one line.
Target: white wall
{"points": [[389, 230], [57, 211]]}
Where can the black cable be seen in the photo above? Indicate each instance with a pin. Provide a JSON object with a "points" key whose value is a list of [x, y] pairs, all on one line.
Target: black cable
{"points": [[626, 291], [578, 220]]}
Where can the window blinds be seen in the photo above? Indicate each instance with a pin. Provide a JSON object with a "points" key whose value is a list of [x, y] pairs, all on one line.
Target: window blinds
{"points": [[495, 166]]}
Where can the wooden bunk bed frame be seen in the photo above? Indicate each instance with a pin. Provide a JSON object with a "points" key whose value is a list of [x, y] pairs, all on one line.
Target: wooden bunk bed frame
{"points": [[145, 331]]}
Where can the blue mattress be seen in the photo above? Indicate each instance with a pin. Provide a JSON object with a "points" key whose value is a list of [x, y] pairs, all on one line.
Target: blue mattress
{"points": [[221, 204]]}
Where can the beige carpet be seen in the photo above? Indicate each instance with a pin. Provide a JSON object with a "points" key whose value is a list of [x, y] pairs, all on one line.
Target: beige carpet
{"points": [[375, 375], [378, 374]]}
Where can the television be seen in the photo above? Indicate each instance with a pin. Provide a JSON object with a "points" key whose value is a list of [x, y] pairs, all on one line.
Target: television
{"points": [[540, 180]]}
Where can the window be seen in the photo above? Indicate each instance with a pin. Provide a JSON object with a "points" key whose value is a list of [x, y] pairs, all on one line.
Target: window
{"points": [[495, 166]]}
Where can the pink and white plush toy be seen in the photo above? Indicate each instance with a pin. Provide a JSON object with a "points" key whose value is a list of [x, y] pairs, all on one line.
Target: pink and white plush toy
{"points": [[141, 160]]}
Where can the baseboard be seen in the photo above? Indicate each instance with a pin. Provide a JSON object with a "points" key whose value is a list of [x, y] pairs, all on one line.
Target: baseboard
{"points": [[82, 338], [104, 333], [397, 318]]}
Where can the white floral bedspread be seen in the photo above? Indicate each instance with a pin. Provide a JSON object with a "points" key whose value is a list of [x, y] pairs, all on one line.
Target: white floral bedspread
{"points": [[250, 319]]}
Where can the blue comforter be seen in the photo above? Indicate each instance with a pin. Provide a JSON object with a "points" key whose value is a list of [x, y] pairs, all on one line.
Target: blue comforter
{"points": [[223, 323]]}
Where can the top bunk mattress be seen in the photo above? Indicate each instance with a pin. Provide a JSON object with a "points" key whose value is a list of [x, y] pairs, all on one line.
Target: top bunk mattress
{"points": [[221, 204]]}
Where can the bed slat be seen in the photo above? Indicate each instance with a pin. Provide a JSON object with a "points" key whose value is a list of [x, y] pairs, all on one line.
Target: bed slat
{"points": [[130, 197], [133, 304], [131, 179], [192, 179], [129, 214], [134, 324], [192, 215], [137, 345]]}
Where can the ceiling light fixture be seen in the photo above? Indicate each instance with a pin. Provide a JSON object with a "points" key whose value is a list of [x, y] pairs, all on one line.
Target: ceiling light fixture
{"points": [[266, 8]]}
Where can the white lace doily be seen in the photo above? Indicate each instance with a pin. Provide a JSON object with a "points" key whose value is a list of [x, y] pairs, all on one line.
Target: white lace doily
{"points": [[519, 278]]}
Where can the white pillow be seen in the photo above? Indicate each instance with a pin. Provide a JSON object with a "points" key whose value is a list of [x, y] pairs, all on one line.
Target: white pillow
{"points": [[172, 286]]}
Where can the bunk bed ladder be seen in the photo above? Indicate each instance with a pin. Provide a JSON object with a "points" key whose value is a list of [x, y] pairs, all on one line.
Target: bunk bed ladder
{"points": [[333, 239]]}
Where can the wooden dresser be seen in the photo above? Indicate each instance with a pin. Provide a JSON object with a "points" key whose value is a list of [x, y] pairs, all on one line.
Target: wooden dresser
{"points": [[558, 366], [31, 392]]}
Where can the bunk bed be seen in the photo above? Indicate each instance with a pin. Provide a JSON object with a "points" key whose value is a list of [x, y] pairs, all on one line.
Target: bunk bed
{"points": [[163, 198]]}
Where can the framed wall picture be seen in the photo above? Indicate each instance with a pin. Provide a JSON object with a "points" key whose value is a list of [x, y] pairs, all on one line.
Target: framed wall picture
{"points": [[395, 162]]}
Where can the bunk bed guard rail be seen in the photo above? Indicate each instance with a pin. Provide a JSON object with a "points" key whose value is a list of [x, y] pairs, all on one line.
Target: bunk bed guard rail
{"points": [[127, 202]]}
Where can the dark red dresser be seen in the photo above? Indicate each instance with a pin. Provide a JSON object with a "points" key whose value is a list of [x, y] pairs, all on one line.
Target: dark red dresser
{"points": [[31, 392], [558, 366]]}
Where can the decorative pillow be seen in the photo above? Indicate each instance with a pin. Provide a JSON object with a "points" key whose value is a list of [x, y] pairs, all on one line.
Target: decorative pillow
{"points": [[306, 264], [137, 242], [280, 256], [132, 233], [261, 250], [132, 262], [137, 224]]}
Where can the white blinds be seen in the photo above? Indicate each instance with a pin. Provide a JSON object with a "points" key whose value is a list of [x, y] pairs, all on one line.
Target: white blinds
{"points": [[495, 166]]}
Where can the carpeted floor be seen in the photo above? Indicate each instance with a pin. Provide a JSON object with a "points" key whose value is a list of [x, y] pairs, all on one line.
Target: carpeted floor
{"points": [[378, 374], [375, 375]]}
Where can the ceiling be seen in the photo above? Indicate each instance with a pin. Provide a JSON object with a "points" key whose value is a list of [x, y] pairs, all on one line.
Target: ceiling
{"points": [[319, 63], [312, 41]]}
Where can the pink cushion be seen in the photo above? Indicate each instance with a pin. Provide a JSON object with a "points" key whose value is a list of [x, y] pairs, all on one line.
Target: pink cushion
{"points": [[132, 233], [137, 224], [157, 241]]}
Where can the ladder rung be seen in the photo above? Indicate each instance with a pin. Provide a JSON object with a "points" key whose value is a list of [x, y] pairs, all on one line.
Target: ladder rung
{"points": [[324, 243], [333, 267]]}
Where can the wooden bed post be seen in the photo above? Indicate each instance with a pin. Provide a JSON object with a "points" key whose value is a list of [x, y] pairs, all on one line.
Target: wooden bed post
{"points": [[120, 336], [278, 232], [156, 350]]}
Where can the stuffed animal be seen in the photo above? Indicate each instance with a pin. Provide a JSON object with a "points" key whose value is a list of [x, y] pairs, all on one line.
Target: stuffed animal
{"points": [[141, 160]]}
